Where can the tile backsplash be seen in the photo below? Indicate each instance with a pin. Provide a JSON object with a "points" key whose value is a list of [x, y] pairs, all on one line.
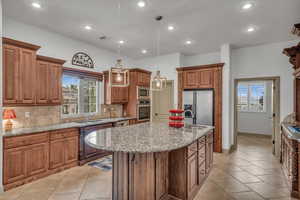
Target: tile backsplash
{"points": [[33, 116]]}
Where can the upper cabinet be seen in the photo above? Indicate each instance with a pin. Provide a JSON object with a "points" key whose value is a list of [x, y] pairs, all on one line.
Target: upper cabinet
{"points": [[197, 79], [48, 77], [114, 95], [143, 79], [29, 79], [19, 67]]}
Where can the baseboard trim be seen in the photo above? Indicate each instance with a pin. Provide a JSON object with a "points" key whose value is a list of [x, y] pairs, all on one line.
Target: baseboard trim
{"points": [[255, 134], [228, 151]]}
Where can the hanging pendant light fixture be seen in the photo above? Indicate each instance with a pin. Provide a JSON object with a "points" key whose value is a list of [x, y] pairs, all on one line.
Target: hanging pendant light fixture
{"points": [[118, 75], [158, 82]]}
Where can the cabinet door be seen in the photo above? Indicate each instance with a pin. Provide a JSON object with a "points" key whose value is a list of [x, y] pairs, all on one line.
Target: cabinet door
{"points": [[192, 175], [206, 78], [191, 79], [42, 82], [37, 160], [11, 74], [209, 153], [57, 153], [71, 149], [161, 175], [201, 173], [14, 165], [124, 94], [54, 76], [27, 76]]}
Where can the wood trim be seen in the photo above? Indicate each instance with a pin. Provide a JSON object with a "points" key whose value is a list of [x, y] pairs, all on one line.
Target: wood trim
{"points": [[200, 67], [20, 44], [50, 59], [140, 70], [97, 75]]}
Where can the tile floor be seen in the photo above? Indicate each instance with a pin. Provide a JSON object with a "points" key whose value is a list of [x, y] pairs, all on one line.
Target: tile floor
{"points": [[250, 173]]}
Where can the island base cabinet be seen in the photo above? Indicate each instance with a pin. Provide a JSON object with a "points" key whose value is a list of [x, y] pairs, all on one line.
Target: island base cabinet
{"points": [[140, 176], [174, 175]]}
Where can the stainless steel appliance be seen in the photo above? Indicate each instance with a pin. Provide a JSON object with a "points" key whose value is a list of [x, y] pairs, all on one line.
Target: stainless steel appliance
{"points": [[198, 106], [143, 109], [143, 93]]}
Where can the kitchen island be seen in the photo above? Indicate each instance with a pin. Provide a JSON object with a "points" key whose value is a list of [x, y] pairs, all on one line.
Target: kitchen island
{"points": [[152, 161]]}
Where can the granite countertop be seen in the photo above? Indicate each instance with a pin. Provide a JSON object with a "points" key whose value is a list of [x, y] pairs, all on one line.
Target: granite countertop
{"points": [[291, 134], [146, 137], [22, 131]]}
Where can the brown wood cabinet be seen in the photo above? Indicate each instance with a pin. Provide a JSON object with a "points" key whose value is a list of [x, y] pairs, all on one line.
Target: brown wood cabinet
{"points": [[138, 77], [48, 77], [188, 168], [114, 95], [19, 67], [29, 79], [63, 147], [204, 77], [32, 156]]}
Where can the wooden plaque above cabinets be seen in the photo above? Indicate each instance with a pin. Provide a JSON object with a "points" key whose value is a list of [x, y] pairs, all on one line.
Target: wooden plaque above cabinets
{"points": [[204, 77], [28, 79]]}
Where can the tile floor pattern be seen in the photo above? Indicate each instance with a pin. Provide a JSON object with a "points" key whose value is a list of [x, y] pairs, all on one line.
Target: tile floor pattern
{"points": [[250, 173]]}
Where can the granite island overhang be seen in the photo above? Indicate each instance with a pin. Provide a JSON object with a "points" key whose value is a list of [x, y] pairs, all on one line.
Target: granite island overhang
{"points": [[152, 161]]}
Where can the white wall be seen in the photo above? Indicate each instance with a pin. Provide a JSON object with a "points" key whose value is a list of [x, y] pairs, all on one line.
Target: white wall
{"points": [[200, 59], [59, 46], [265, 61], [167, 65], [263, 121]]}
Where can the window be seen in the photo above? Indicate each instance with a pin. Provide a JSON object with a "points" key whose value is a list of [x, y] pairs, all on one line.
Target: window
{"points": [[251, 97], [80, 95]]}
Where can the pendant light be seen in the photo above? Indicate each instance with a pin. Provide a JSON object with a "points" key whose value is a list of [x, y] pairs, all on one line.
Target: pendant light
{"points": [[118, 75], [158, 82]]}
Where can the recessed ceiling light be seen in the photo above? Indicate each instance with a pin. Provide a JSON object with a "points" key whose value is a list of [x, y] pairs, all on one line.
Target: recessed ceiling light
{"points": [[87, 27], [188, 42], [144, 51], [247, 6], [250, 29], [141, 4], [171, 28], [121, 42], [36, 5]]}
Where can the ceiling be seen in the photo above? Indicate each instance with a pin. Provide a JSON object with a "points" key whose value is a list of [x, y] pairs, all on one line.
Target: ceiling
{"points": [[207, 23]]}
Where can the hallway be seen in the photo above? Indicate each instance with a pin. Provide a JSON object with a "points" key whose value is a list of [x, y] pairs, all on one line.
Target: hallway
{"points": [[251, 173]]}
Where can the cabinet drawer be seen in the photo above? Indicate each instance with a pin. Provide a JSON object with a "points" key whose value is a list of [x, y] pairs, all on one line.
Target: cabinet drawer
{"points": [[193, 148], [65, 133], [18, 141], [201, 142]]}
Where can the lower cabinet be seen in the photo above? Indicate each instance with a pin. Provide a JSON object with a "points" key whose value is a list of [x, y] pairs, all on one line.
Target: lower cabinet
{"points": [[23, 162], [192, 175], [29, 157], [189, 167], [63, 151]]}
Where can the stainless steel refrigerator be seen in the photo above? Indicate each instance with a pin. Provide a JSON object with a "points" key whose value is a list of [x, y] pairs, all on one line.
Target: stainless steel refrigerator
{"points": [[198, 107]]}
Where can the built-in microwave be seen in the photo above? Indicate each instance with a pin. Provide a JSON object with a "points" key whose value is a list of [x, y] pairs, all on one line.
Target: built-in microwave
{"points": [[143, 93]]}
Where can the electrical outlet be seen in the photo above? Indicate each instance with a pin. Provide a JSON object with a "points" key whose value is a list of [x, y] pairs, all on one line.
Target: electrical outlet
{"points": [[104, 110], [27, 114]]}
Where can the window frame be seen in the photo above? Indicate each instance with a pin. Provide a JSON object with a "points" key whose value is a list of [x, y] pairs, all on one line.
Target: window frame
{"points": [[99, 97], [248, 84]]}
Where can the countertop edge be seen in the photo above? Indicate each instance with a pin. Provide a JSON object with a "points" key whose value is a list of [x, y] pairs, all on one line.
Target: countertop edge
{"points": [[290, 134], [26, 131], [210, 128]]}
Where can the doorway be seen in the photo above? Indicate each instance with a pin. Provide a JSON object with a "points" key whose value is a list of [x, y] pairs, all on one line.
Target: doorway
{"points": [[257, 110], [162, 102]]}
